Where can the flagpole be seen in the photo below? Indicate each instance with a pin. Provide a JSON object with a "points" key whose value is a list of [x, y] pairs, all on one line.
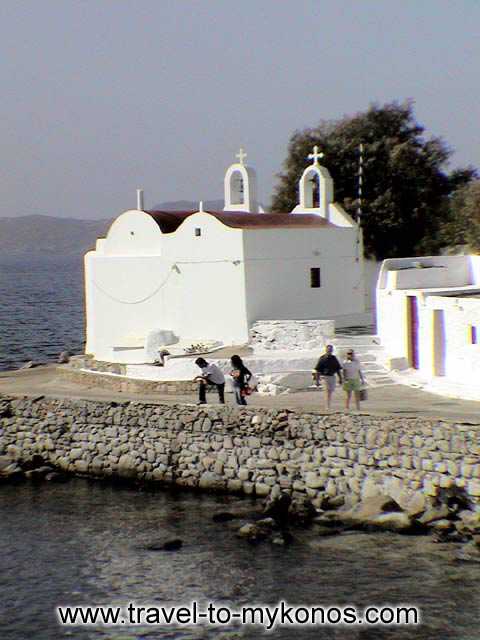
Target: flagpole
{"points": [[359, 199]]}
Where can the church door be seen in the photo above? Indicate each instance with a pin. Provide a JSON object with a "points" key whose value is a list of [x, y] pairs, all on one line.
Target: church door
{"points": [[413, 331]]}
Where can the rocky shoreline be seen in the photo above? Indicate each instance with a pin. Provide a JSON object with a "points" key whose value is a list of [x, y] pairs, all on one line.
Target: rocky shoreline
{"points": [[282, 519], [341, 472], [449, 518]]}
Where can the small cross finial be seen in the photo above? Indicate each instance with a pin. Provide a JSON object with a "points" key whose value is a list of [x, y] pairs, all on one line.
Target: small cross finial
{"points": [[200, 206], [316, 155], [241, 155]]}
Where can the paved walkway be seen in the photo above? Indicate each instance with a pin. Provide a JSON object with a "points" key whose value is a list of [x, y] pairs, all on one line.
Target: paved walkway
{"points": [[394, 399]]}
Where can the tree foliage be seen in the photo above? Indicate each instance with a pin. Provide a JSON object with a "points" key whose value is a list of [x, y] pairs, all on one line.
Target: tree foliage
{"points": [[405, 185], [462, 225]]}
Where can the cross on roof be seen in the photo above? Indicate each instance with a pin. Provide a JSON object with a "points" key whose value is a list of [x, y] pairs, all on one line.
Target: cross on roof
{"points": [[241, 155], [316, 155]]}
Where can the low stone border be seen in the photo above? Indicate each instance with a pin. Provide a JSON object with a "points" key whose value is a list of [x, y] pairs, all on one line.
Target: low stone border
{"points": [[251, 451], [89, 362], [120, 383]]}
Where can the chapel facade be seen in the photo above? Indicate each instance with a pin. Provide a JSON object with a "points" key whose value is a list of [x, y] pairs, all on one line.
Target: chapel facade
{"points": [[209, 275]]}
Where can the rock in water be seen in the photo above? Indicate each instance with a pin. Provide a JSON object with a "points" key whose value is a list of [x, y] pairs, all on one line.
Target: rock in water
{"points": [[39, 474], [329, 503], [443, 525], [9, 470], [302, 512], [278, 508], [59, 478], [223, 516], [168, 545], [469, 521], [64, 357], [211, 481], [395, 521], [433, 514], [469, 553], [127, 467], [375, 512], [455, 498], [34, 462], [268, 523], [254, 532], [374, 506]]}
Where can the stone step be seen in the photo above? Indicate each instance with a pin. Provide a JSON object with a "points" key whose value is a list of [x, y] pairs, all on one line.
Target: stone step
{"points": [[364, 338], [358, 347], [367, 358], [382, 382], [353, 345]]}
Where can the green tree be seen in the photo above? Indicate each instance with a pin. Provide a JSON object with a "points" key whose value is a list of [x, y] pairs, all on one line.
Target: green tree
{"points": [[462, 224], [405, 184]]}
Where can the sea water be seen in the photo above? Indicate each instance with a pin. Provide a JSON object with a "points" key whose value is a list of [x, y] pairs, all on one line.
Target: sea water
{"points": [[84, 543]]}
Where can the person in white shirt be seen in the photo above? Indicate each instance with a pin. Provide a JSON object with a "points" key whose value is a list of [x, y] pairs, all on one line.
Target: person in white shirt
{"points": [[353, 379], [211, 375]]}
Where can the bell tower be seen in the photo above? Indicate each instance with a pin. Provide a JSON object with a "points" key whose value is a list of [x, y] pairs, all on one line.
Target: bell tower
{"points": [[315, 187], [240, 186]]}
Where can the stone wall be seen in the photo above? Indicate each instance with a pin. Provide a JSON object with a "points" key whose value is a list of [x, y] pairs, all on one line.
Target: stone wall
{"points": [[291, 335], [250, 451], [86, 361], [123, 384]]}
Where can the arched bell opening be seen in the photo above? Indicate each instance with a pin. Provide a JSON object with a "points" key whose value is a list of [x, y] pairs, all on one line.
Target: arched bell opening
{"points": [[237, 188], [311, 186]]}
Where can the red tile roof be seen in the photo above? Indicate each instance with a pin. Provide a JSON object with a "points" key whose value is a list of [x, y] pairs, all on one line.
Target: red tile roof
{"points": [[169, 221]]}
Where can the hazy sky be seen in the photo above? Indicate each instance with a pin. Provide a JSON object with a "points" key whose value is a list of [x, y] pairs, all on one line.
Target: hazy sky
{"points": [[100, 97]]}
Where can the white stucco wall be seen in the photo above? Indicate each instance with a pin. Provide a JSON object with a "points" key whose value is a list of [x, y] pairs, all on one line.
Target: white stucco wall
{"points": [[193, 286], [206, 298], [371, 270], [440, 271], [391, 314], [132, 233], [445, 318], [125, 300], [462, 358], [338, 216], [475, 269], [277, 268]]}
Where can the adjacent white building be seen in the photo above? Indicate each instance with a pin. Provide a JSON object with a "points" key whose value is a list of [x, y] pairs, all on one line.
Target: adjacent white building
{"points": [[206, 275], [428, 316]]}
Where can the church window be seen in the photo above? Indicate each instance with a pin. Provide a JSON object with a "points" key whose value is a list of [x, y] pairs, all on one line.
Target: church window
{"points": [[315, 280], [198, 232]]}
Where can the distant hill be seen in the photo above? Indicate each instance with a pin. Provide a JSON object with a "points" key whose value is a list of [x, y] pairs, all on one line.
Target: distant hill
{"points": [[45, 235]]}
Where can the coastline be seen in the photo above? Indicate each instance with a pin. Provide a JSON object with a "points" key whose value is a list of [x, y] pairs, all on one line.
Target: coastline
{"points": [[249, 451]]}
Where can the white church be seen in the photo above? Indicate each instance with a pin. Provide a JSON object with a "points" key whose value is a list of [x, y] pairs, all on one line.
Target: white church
{"points": [[195, 276]]}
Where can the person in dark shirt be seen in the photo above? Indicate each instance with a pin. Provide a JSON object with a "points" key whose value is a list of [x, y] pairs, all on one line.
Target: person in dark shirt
{"points": [[328, 367], [241, 376]]}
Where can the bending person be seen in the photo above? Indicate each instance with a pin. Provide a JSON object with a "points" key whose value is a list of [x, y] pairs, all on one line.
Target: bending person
{"points": [[211, 375]]}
